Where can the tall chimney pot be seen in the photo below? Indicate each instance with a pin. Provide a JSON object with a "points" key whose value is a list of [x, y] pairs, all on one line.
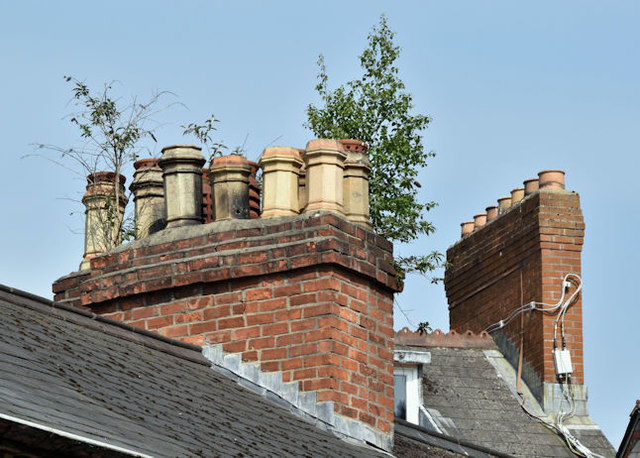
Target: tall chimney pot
{"points": [[148, 191], [280, 168], [182, 173], [324, 164], [230, 187]]}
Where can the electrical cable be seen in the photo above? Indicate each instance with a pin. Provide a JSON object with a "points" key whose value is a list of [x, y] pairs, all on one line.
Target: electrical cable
{"points": [[406, 316], [561, 307]]}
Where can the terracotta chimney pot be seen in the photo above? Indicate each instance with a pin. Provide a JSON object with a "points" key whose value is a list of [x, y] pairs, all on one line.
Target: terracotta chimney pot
{"points": [[492, 212], [354, 145], [479, 220], [551, 179], [254, 191], [467, 227], [503, 204], [517, 195], [207, 198], [530, 186], [230, 187]]}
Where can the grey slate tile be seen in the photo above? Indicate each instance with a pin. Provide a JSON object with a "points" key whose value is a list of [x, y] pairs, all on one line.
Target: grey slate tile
{"points": [[65, 371], [463, 386]]}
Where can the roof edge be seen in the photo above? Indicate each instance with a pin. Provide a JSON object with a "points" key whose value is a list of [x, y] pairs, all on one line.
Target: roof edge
{"points": [[406, 428], [47, 430]]}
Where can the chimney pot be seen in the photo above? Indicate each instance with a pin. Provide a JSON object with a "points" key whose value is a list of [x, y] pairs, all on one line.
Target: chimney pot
{"points": [[517, 195], [254, 191], [492, 212], [358, 146], [467, 227], [230, 187], [479, 220], [530, 186], [102, 231], [356, 182], [324, 164], [280, 168], [302, 180], [551, 179], [503, 204], [182, 173], [148, 191]]}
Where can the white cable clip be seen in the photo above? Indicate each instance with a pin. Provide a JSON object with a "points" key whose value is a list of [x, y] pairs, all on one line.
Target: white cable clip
{"points": [[501, 323]]}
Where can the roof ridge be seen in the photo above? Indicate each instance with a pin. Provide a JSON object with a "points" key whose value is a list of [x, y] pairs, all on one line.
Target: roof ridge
{"points": [[101, 323], [438, 338]]}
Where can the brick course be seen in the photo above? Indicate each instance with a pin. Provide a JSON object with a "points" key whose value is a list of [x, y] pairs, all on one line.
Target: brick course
{"points": [[311, 297], [525, 252]]}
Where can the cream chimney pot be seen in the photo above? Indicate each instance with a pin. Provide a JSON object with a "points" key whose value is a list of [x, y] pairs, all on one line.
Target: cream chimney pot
{"points": [[324, 165], [280, 173]]}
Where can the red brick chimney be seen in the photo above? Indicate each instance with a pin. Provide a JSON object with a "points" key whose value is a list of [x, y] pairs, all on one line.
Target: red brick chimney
{"points": [[307, 296], [519, 257]]}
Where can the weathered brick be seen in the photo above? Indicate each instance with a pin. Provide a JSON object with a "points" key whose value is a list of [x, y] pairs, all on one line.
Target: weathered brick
{"points": [[293, 297], [160, 322], [484, 285]]}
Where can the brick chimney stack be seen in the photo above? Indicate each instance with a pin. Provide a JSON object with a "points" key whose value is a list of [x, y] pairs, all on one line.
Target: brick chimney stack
{"points": [[518, 257], [308, 296]]}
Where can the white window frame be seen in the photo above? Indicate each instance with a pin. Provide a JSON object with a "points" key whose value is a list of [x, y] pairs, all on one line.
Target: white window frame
{"points": [[413, 390]]}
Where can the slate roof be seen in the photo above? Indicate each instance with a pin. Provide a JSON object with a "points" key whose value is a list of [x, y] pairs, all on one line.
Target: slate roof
{"points": [[469, 399], [412, 441], [82, 379]]}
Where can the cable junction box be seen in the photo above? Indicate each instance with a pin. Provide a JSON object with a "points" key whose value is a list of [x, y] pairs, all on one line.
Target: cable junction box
{"points": [[562, 361]]}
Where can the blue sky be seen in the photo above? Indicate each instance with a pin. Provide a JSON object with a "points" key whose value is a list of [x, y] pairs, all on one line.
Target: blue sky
{"points": [[513, 88]]}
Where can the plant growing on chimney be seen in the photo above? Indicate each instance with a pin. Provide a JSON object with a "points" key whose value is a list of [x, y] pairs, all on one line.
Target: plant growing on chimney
{"points": [[423, 328], [111, 135], [204, 133], [377, 110]]}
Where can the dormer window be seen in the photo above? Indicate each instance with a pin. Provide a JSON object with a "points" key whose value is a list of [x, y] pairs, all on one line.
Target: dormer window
{"points": [[407, 374], [407, 392]]}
